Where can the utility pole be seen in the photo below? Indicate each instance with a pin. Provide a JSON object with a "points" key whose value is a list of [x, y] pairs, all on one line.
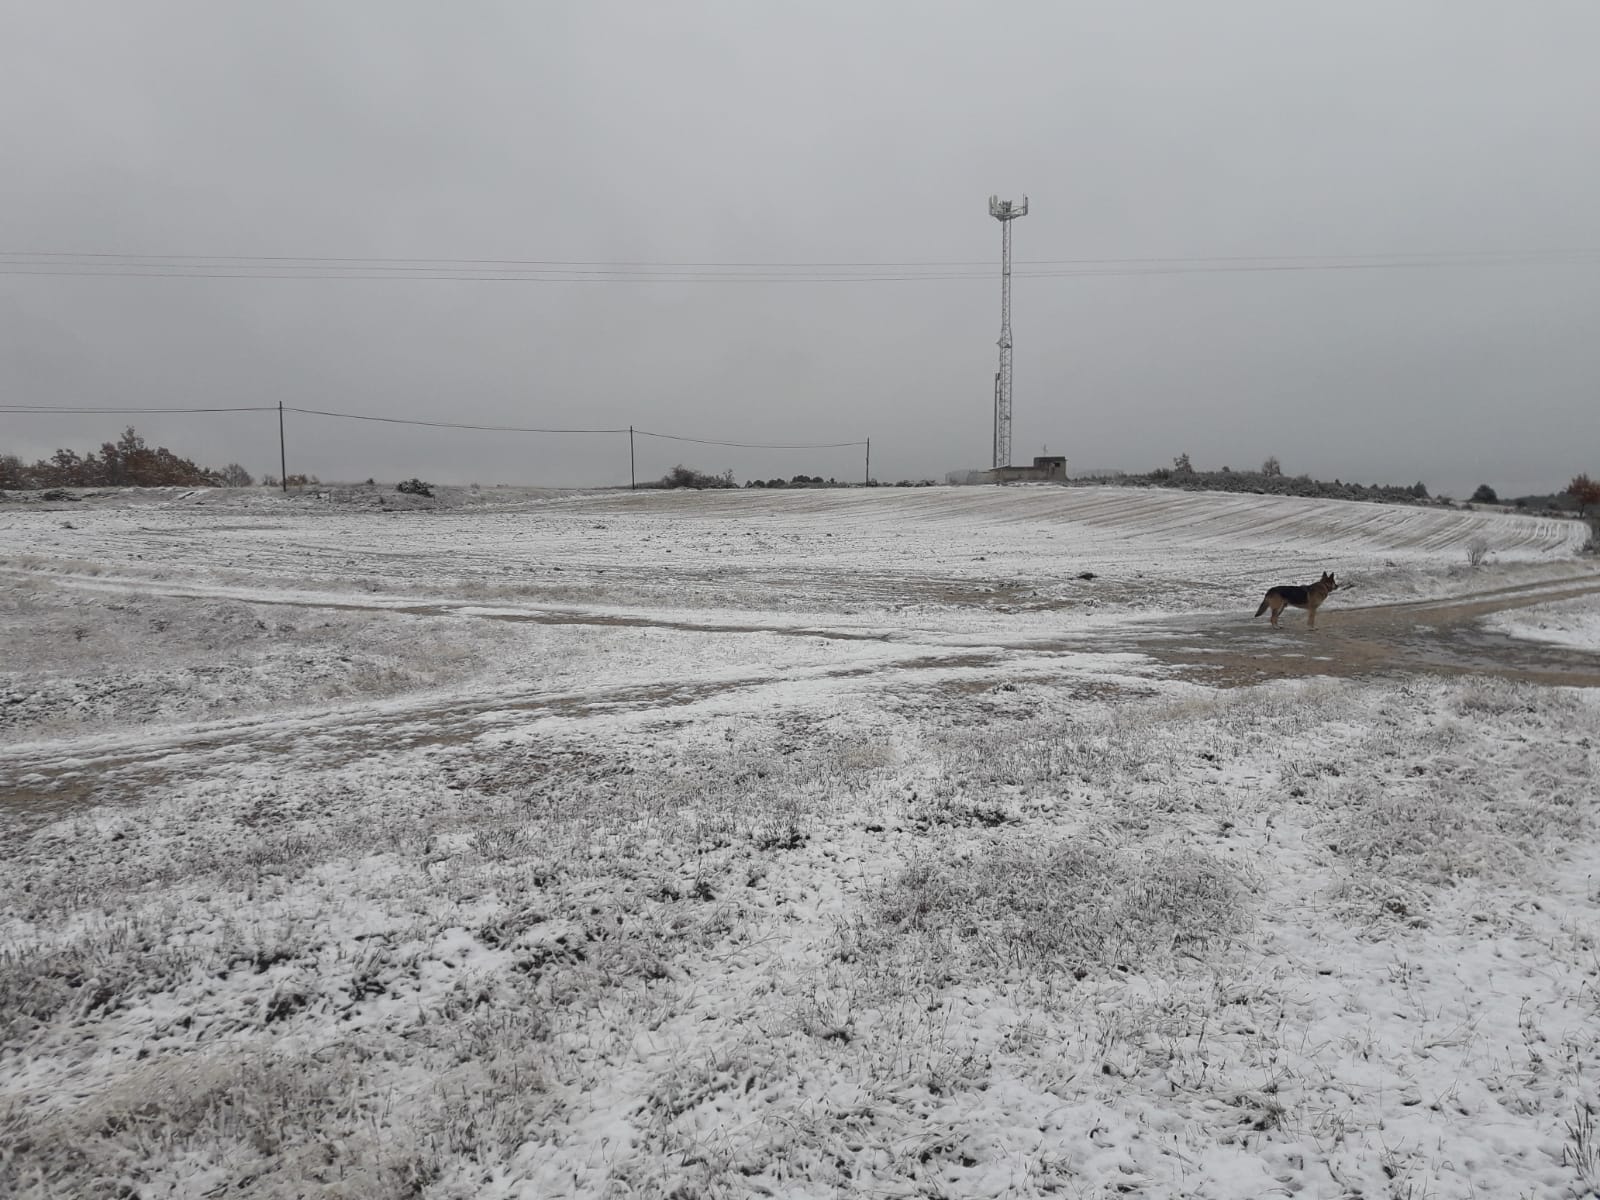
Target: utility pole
{"points": [[1004, 211], [283, 459], [868, 479], [633, 484]]}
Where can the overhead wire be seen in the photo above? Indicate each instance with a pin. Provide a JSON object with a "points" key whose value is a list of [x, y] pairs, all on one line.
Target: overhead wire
{"points": [[52, 408], [319, 412], [556, 271], [1535, 251], [751, 445], [347, 416]]}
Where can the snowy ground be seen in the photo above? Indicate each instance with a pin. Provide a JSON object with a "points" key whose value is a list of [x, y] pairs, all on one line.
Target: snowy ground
{"points": [[799, 844], [1564, 623]]}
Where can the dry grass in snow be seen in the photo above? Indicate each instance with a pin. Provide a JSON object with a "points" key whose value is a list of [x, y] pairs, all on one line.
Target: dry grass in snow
{"points": [[1154, 949]]}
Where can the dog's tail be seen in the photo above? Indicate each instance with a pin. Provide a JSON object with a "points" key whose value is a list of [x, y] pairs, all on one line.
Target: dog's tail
{"points": [[1264, 606]]}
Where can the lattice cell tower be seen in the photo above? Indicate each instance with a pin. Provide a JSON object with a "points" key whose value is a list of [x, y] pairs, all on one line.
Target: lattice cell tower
{"points": [[1005, 212]]}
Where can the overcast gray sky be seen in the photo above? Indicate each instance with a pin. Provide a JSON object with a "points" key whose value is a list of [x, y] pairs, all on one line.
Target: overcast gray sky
{"points": [[867, 131]]}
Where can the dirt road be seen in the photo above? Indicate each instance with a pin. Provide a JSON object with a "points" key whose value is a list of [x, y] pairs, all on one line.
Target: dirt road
{"points": [[1443, 636]]}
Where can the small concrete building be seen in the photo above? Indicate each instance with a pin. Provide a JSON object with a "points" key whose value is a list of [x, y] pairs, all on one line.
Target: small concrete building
{"points": [[1047, 468]]}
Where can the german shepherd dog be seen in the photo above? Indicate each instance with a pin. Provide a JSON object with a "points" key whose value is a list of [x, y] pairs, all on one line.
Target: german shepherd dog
{"points": [[1309, 598]]}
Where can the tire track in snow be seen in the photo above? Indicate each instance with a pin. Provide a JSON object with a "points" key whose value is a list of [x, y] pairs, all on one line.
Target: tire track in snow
{"points": [[40, 780]]}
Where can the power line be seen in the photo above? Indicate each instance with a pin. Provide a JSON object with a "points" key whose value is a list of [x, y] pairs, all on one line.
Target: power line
{"points": [[687, 279], [751, 445], [318, 412], [63, 258], [356, 261], [84, 263], [485, 278], [345, 416], [641, 264], [50, 408]]}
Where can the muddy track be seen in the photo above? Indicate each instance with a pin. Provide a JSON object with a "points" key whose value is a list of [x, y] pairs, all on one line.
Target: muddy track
{"points": [[1438, 636], [36, 786]]}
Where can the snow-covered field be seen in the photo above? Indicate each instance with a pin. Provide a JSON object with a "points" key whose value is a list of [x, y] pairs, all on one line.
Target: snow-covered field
{"points": [[881, 843]]}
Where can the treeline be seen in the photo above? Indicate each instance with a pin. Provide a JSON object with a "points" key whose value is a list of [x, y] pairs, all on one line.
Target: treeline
{"points": [[688, 477], [1580, 494], [126, 462], [1256, 482], [1270, 480]]}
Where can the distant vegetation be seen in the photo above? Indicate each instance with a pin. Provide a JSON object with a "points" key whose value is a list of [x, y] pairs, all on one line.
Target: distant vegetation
{"points": [[817, 481], [1583, 492], [797, 481], [688, 477], [1578, 496], [1270, 480], [126, 462], [129, 462]]}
